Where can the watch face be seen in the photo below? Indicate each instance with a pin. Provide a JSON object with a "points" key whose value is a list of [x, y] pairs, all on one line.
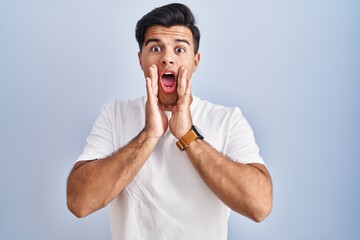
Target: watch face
{"points": [[198, 132]]}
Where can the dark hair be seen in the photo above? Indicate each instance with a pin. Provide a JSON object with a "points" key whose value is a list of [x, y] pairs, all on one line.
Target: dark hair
{"points": [[168, 16]]}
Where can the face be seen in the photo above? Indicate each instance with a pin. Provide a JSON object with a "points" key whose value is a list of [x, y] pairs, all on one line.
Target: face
{"points": [[169, 48]]}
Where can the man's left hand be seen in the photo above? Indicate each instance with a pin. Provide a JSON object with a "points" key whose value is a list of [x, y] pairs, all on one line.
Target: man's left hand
{"points": [[180, 122]]}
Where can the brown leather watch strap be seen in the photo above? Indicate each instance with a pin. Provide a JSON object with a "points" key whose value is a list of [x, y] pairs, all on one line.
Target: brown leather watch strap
{"points": [[184, 141]]}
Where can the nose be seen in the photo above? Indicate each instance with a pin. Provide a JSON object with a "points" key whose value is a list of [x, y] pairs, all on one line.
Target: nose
{"points": [[167, 58]]}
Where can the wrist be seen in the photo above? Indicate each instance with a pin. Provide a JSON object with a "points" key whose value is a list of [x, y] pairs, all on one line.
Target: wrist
{"points": [[146, 134], [193, 134]]}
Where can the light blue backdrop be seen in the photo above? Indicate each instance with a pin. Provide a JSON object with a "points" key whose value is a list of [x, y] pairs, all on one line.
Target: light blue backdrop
{"points": [[293, 67]]}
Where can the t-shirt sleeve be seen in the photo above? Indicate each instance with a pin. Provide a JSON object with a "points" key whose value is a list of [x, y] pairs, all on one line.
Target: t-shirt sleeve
{"points": [[100, 141], [241, 145]]}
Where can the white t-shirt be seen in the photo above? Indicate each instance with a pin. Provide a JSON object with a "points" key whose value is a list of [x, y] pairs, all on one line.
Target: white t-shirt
{"points": [[167, 198]]}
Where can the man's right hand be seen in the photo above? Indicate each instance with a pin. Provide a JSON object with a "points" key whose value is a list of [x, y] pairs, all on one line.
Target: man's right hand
{"points": [[93, 184], [156, 122]]}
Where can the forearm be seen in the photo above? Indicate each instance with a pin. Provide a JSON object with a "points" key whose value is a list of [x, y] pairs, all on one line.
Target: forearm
{"points": [[92, 185], [245, 188]]}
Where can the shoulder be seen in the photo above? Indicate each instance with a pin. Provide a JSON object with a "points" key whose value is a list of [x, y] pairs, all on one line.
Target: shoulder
{"points": [[128, 106], [204, 107], [215, 118]]}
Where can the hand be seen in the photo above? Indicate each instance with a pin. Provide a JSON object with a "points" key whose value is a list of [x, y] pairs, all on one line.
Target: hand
{"points": [[156, 122], [180, 122]]}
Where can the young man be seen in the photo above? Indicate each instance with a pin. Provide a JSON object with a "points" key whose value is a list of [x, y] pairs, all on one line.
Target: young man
{"points": [[163, 178]]}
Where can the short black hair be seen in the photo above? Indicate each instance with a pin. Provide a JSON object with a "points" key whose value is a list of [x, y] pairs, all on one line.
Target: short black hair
{"points": [[168, 16]]}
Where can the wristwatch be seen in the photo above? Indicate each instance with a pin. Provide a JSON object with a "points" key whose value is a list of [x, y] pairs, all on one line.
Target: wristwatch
{"points": [[192, 135]]}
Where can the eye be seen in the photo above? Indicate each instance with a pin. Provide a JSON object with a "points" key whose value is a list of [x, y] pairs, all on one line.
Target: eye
{"points": [[179, 50], [156, 49]]}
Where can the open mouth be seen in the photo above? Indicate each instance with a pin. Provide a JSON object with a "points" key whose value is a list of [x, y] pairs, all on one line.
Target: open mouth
{"points": [[168, 81]]}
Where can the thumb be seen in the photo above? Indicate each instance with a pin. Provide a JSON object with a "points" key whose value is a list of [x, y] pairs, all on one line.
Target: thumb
{"points": [[173, 110]]}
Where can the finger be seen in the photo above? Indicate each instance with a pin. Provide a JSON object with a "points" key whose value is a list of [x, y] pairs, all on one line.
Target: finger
{"points": [[182, 82], [187, 96], [188, 87], [149, 90], [173, 109], [154, 77]]}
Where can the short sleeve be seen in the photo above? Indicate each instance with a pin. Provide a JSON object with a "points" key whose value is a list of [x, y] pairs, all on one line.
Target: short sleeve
{"points": [[100, 141], [241, 145]]}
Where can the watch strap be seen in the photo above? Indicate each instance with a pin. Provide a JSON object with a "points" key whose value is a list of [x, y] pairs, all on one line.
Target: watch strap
{"points": [[185, 141]]}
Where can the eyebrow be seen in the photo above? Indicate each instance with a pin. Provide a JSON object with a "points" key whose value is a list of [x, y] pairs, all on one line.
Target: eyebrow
{"points": [[156, 40]]}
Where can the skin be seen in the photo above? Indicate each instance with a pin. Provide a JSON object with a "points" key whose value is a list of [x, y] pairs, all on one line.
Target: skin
{"points": [[245, 188]]}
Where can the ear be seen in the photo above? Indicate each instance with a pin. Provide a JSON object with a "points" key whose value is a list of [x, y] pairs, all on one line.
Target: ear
{"points": [[139, 57], [197, 60]]}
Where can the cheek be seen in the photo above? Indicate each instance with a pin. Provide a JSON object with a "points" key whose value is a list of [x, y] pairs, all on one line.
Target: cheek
{"points": [[191, 67], [144, 64], [191, 62], [147, 62]]}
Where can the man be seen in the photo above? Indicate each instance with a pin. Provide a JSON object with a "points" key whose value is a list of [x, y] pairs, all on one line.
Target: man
{"points": [[162, 177]]}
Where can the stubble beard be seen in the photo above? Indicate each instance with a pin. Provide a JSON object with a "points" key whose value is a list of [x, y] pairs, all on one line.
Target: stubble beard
{"points": [[168, 100]]}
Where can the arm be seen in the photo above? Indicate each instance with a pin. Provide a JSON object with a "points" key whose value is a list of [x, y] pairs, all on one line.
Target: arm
{"points": [[93, 184], [245, 188]]}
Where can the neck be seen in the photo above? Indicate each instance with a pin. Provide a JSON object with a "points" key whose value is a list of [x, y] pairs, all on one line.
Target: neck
{"points": [[171, 106]]}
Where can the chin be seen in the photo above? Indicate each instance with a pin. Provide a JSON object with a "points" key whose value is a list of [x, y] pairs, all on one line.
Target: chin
{"points": [[168, 99]]}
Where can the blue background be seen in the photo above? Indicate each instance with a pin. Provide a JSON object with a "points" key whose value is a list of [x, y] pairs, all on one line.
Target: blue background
{"points": [[293, 67]]}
